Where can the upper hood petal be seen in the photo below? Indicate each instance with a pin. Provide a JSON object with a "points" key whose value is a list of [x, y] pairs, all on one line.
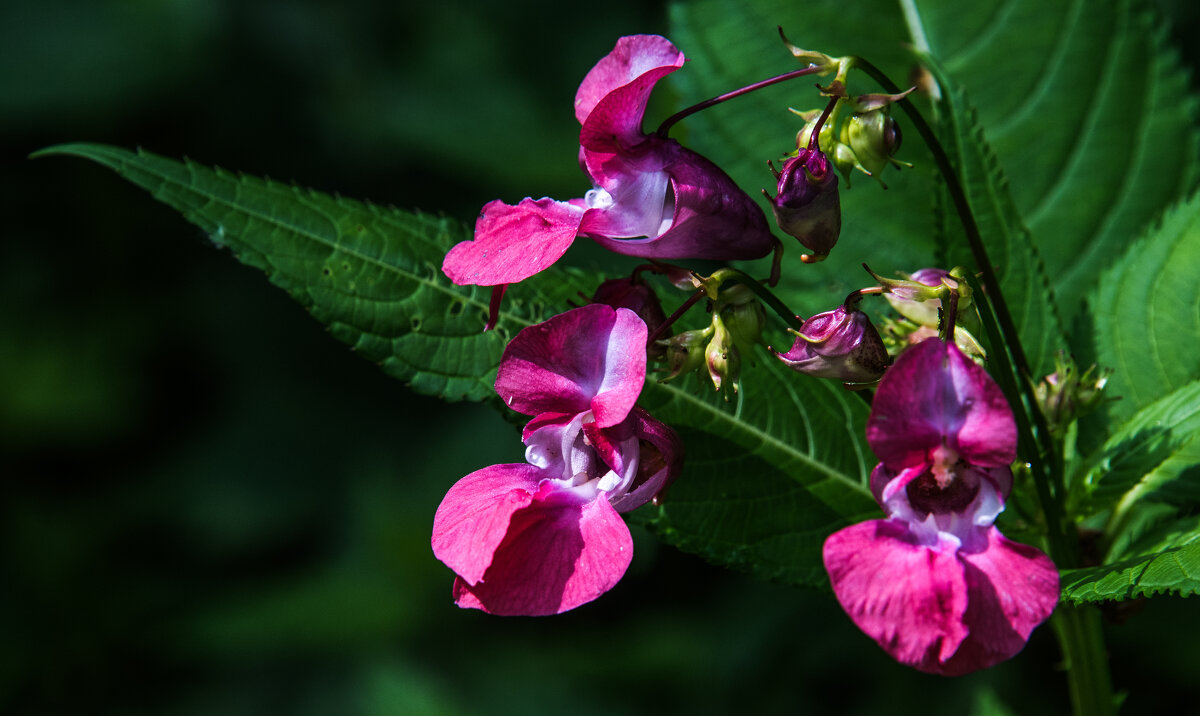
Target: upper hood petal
{"points": [[710, 217], [589, 358], [612, 98], [933, 395]]}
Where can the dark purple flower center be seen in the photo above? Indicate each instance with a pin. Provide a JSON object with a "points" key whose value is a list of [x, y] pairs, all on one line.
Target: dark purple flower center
{"points": [[927, 495]]}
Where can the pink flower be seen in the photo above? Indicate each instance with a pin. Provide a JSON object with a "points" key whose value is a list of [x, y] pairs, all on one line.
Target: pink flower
{"points": [[650, 196], [936, 584], [545, 537]]}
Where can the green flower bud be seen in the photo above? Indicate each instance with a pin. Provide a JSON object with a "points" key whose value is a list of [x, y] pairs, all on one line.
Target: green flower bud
{"points": [[685, 352], [723, 359], [1065, 394], [743, 315]]}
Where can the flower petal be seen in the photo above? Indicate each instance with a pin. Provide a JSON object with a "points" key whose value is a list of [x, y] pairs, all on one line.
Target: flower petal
{"points": [[474, 516], [910, 598], [513, 243], [660, 460], [559, 554], [589, 358], [1013, 588], [612, 98], [934, 395]]}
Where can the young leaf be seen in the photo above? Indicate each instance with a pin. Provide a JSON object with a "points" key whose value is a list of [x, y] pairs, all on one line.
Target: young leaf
{"points": [[1148, 474], [1147, 327], [371, 274]]}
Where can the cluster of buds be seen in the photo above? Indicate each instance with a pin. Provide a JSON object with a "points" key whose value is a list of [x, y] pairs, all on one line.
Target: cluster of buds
{"points": [[806, 202], [920, 298], [1067, 394], [867, 140], [720, 347]]}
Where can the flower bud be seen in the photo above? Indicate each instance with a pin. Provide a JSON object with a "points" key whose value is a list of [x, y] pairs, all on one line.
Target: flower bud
{"points": [[839, 344], [743, 315], [806, 204], [875, 138], [685, 352], [1065, 394], [723, 359], [918, 297]]}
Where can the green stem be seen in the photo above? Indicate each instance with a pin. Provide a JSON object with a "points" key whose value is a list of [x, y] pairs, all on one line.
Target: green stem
{"points": [[1081, 638]]}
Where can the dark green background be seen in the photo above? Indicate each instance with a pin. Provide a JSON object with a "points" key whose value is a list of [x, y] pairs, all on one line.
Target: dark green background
{"points": [[210, 506]]}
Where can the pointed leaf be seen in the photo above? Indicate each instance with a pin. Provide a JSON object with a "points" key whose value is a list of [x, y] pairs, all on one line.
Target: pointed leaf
{"points": [[762, 487], [765, 485], [371, 274], [1152, 456]]}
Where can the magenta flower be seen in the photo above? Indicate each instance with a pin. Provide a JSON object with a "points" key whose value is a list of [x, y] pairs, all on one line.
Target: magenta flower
{"points": [[936, 584], [545, 537], [650, 196]]}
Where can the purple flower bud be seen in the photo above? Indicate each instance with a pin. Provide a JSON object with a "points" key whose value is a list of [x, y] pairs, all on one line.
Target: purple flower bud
{"points": [[838, 344], [806, 203]]}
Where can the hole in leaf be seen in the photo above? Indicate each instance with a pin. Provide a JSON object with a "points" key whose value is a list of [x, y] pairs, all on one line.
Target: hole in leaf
{"points": [[416, 323], [327, 271], [456, 308]]}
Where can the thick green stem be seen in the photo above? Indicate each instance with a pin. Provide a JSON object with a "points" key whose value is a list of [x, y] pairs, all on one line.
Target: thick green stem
{"points": [[1081, 638]]}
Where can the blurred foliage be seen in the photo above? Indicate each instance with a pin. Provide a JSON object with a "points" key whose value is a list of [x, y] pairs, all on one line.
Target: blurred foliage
{"points": [[210, 506]]}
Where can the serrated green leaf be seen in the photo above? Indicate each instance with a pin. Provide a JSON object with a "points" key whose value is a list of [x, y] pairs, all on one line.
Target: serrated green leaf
{"points": [[1088, 112], [1151, 457], [764, 490], [1147, 324], [371, 274], [1009, 244], [1167, 561]]}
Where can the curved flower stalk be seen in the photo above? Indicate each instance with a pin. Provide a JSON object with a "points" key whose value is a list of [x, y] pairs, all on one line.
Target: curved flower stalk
{"points": [[935, 583], [545, 536], [651, 197]]}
